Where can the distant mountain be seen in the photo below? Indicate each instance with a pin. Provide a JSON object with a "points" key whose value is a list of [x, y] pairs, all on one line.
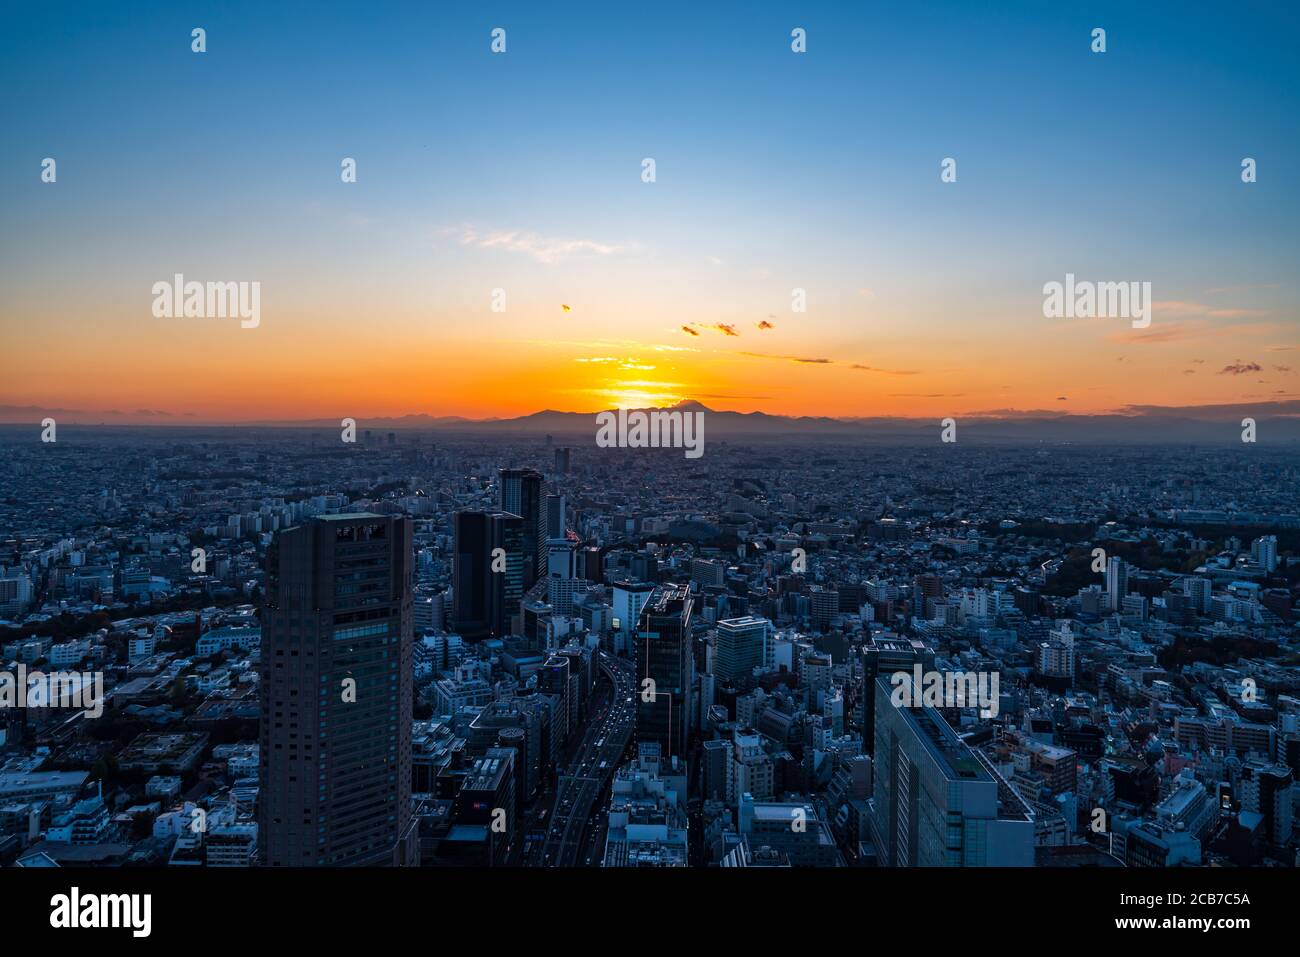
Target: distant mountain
{"points": [[1275, 423], [1208, 425]]}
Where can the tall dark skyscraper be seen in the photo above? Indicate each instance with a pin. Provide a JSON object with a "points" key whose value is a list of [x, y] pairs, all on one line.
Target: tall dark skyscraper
{"points": [[336, 694], [555, 525], [663, 655], [522, 492], [562, 460], [485, 600]]}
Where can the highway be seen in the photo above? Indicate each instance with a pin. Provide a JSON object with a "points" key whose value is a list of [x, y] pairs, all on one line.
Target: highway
{"points": [[570, 837]]}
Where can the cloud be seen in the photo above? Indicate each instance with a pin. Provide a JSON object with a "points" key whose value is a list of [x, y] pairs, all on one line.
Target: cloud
{"points": [[801, 359], [764, 324], [1183, 330], [1224, 411], [1240, 368], [726, 328], [1019, 414], [864, 368], [1173, 308], [544, 249]]}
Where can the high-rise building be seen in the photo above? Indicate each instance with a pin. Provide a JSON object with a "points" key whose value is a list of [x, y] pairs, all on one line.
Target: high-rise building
{"points": [[562, 460], [1263, 552], [937, 802], [522, 492], [1266, 791], [487, 585], [1116, 581], [823, 604], [591, 566], [740, 646], [555, 523], [706, 572], [1199, 591], [336, 694], [1056, 655], [486, 809], [629, 598], [561, 558], [883, 655], [663, 657]]}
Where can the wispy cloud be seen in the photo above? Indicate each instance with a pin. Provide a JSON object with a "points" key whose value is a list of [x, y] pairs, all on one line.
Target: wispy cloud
{"points": [[1188, 330], [544, 249], [807, 360], [820, 361], [865, 368], [926, 395], [1240, 368], [1174, 308]]}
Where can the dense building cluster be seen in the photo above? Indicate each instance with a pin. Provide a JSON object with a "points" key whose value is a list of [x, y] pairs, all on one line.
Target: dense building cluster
{"points": [[459, 649]]}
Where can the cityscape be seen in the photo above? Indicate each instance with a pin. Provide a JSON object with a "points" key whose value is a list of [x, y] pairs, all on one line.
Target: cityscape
{"points": [[506, 467], [497, 650]]}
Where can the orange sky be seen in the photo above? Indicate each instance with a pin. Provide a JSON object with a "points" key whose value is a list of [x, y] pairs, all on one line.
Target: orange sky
{"points": [[493, 366]]}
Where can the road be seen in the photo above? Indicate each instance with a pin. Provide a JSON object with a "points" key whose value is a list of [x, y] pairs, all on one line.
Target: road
{"points": [[572, 837]]}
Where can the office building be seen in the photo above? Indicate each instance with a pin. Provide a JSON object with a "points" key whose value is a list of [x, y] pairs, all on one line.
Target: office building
{"points": [[487, 585], [336, 694], [663, 658], [740, 646], [936, 802], [1116, 582], [522, 492]]}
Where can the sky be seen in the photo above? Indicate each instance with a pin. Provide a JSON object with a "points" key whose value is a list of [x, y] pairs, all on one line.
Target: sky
{"points": [[522, 171]]}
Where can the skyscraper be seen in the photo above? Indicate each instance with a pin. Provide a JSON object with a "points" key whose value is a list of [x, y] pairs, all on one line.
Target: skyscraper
{"points": [[936, 802], [487, 585], [336, 694], [1116, 581], [522, 492], [663, 656], [555, 524], [740, 646]]}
